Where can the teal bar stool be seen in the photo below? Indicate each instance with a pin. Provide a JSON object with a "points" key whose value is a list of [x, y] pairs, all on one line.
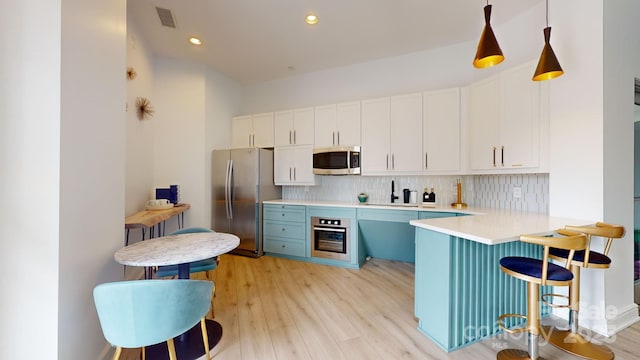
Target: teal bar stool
{"points": [[537, 273], [570, 340], [142, 313]]}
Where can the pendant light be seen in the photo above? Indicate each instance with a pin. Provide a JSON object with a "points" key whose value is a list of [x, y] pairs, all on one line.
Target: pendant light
{"points": [[548, 65], [489, 53]]}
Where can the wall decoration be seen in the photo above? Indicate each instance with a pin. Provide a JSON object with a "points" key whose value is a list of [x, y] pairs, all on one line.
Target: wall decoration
{"points": [[143, 108], [131, 73]]}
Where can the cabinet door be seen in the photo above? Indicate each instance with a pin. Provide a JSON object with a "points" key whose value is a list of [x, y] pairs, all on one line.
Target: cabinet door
{"points": [[406, 133], [441, 131], [283, 165], [303, 126], [263, 130], [303, 165], [283, 128], [241, 132], [520, 118], [484, 119], [375, 155], [325, 126], [348, 124]]}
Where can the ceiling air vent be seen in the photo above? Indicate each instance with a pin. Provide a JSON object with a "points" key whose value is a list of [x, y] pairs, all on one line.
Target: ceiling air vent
{"points": [[166, 17]]}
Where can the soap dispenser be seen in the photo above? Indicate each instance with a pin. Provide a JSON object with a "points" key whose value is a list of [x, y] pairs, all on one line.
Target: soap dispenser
{"points": [[432, 196], [425, 195]]}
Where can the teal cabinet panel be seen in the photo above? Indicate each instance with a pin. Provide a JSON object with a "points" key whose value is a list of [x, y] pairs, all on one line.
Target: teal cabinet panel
{"points": [[332, 212], [284, 212], [272, 245], [284, 230], [387, 240], [403, 216], [436, 214]]}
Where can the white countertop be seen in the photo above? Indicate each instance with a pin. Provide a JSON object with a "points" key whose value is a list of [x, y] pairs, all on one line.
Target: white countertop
{"points": [[487, 226], [396, 206]]}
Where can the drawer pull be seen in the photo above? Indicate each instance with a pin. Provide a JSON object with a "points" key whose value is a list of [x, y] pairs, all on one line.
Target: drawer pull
{"points": [[283, 245], [282, 229]]}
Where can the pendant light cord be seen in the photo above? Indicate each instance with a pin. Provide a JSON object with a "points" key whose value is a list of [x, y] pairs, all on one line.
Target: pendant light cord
{"points": [[547, 13]]}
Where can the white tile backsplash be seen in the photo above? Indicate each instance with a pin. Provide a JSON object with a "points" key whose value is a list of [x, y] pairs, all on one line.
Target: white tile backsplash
{"points": [[490, 191]]}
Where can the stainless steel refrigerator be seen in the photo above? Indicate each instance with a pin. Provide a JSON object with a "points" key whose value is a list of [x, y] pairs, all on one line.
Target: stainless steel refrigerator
{"points": [[241, 180]]}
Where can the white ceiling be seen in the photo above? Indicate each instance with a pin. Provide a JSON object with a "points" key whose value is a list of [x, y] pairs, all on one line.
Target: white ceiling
{"points": [[258, 40]]}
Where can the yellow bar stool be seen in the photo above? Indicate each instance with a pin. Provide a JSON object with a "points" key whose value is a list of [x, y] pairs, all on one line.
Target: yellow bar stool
{"points": [[537, 273], [570, 340]]}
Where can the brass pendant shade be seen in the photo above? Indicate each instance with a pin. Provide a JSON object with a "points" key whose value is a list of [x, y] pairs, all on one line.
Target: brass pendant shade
{"points": [[489, 52], [548, 65]]}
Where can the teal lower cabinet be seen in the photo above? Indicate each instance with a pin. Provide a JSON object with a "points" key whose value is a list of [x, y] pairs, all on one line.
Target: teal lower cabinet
{"points": [[284, 230], [460, 290], [387, 234]]}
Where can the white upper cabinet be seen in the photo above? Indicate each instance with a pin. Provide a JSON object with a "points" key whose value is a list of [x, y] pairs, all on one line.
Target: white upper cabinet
{"points": [[337, 125], [293, 165], [294, 127], [504, 121], [252, 131], [441, 131], [392, 135]]}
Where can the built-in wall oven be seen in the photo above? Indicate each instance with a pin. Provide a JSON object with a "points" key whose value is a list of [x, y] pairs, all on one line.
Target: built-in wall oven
{"points": [[330, 238]]}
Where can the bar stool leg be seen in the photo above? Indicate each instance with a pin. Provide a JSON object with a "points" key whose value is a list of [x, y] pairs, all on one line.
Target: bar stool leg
{"points": [[533, 329], [570, 340]]}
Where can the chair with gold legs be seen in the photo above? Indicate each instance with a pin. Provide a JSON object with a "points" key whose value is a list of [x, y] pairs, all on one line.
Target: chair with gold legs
{"points": [[537, 273], [570, 340]]}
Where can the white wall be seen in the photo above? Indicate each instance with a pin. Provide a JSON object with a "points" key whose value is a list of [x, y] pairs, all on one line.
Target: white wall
{"points": [[63, 139], [30, 176], [442, 68], [140, 133], [591, 114], [92, 158], [194, 106]]}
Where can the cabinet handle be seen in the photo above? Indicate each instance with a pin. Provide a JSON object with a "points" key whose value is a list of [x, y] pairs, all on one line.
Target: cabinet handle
{"points": [[290, 174], [502, 155], [294, 174], [334, 138], [250, 145], [393, 162], [426, 161], [338, 137], [253, 140], [283, 229], [289, 137], [294, 136], [494, 156], [387, 161], [283, 246]]}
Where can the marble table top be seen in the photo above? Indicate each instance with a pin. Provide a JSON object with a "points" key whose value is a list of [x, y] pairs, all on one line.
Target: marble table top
{"points": [[176, 249]]}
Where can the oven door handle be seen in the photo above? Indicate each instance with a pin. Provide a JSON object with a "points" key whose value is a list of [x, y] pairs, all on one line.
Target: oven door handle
{"points": [[329, 229]]}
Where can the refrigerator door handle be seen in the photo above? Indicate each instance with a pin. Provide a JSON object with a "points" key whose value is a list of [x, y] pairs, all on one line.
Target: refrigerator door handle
{"points": [[226, 188], [230, 190]]}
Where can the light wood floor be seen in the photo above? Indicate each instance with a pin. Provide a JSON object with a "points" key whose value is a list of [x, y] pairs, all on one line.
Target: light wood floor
{"points": [[272, 308]]}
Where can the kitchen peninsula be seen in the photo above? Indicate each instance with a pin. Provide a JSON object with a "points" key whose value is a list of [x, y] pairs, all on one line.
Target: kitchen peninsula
{"points": [[459, 288]]}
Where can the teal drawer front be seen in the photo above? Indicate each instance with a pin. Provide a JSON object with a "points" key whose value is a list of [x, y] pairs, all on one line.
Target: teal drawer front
{"points": [[284, 230], [284, 247], [284, 212]]}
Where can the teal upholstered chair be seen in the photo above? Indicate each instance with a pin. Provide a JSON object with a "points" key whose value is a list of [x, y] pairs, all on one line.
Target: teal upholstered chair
{"points": [[141, 313], [195, 267], [205, 265]]}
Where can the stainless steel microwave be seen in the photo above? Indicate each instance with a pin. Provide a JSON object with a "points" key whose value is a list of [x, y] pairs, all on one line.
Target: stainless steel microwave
{"points": [[336, 160]]}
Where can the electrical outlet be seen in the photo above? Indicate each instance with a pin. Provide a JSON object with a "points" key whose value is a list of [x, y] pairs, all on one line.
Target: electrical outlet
{"points": [[517, 192]]}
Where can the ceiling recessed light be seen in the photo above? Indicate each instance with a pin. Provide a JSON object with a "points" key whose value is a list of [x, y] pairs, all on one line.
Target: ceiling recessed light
{"points": [[195, 41], [311, 19]]}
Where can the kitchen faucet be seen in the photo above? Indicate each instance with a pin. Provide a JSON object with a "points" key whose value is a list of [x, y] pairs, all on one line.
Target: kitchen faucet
{"points": [[393, 189]]}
